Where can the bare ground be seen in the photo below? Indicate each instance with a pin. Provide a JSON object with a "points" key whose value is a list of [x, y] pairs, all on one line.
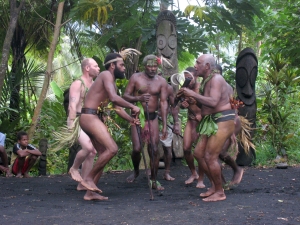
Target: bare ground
{"points": [[265, 196]]}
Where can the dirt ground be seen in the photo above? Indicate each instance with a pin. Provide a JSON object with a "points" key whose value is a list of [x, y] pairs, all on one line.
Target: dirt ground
{"points": [[265, 196]]}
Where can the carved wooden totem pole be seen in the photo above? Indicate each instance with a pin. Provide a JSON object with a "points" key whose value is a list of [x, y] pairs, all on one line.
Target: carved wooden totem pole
{"points": [[246, 73], [166, 39]]}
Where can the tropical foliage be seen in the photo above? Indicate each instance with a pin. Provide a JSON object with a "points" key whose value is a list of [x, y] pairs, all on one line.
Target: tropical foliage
{"points": [[93, 28]]}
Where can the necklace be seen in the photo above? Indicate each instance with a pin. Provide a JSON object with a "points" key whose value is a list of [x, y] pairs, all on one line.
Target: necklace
{"points": [[206, 80]]}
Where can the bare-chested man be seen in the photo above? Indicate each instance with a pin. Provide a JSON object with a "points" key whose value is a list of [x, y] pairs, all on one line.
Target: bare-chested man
{"points": [[190, 133], [102, 92], [167, 143], [148, 88], [78, 91], [217, 123]]}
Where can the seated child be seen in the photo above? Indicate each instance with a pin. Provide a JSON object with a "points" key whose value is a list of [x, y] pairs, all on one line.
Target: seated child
{"points": [[3, 157], [24, 156]]}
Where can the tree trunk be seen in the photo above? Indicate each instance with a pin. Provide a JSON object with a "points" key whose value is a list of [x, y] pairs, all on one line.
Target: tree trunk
{"points": [[240, 42], [18, 46], [258, 52], [45, 87], [14, 14]]}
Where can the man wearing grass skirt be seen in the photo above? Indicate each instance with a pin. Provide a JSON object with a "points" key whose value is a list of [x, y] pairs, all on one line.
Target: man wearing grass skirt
{"points": [[217, 123]]}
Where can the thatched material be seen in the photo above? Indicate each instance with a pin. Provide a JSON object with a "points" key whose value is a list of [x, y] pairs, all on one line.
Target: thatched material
{"points": [[66, 137], [244, 136]]}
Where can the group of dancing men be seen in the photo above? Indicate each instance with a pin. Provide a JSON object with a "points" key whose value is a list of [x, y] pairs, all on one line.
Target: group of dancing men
{"points": [[209, 110]]}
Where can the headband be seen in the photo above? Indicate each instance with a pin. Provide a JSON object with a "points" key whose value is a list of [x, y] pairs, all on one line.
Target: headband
{"points": [[113, 60]]}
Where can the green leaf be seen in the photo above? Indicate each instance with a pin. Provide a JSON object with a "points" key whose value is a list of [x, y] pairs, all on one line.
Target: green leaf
{"points": [[142, 114], [56, 89]]}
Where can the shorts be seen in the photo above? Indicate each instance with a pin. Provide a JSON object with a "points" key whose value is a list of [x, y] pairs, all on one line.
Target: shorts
{"points": [[15, 166], [2, 139], [168, 141]]}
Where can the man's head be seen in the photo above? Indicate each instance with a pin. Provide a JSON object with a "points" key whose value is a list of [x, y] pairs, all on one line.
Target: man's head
{"points": [[190, 73], [151, 65], [22, 138], [91, 67], [115, 63], [204, 65]]}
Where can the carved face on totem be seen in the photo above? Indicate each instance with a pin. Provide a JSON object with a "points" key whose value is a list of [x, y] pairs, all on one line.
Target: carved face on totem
{"points": [[246, 73], [166, 38]]}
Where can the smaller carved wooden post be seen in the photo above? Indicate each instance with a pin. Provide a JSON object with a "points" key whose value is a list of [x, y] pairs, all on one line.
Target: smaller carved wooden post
{"points": [[246, 73], [43, 147]]}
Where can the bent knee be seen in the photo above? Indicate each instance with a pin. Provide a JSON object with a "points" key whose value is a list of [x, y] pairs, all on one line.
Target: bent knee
{"points": [[113, 150]]}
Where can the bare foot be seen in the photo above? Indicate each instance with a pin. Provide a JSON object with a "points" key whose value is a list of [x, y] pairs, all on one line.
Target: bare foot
{"points": [[237, 177], [93, 196], [168, 177], [132, 177], [191, 179], [90, 185], [210, 192], [156, 185], [75, 174], [80, 187], [200, 184], [8, 173], [26, 175], [217, 196], [19, 175], [3, 169]]}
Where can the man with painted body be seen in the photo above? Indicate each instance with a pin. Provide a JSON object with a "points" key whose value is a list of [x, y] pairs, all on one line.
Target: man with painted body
{"points": [[102, 92], [149, 89], [215, 108], [78, 91]]}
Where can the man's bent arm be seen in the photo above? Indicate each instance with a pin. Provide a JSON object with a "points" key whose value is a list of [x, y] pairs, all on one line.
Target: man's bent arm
{"points": [[214, 97], [112, 94], [128, 93], [34, 152], [123, 114]]}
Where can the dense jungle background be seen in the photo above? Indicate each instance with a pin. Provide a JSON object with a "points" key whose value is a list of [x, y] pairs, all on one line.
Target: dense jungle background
{"points": [[43, 43]]}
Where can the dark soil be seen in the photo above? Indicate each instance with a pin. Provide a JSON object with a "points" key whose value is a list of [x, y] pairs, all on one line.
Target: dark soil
{"points": [[265, 196]]}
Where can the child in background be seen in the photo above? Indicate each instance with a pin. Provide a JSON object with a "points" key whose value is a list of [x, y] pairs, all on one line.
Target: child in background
{"points": [[24, 156]]}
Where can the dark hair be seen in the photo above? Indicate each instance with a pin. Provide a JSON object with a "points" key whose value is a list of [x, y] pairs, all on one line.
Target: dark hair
{"points": [[109, 57], [20, 134], [219, 67], [190, 69]]}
